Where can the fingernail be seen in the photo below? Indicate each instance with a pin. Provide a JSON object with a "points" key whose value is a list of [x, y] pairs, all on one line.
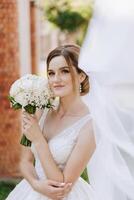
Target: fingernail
{"points": [[62, 183]]}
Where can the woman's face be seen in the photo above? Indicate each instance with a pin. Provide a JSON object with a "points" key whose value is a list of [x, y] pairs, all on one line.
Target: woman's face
{"points": [[59, 77]]}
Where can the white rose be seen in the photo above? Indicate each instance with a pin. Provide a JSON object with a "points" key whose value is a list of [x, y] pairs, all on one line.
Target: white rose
{"points": [[15, 88], [31, 88], [21, 99]]}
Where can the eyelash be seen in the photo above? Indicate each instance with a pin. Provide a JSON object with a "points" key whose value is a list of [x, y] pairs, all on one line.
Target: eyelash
{"points": [[50, 73], [63, 71]]}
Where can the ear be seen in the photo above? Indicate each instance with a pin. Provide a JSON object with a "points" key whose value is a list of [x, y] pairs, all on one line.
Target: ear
{"points": [[82, 77]]}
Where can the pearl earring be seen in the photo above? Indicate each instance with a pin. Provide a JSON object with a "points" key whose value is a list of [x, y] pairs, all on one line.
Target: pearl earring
{"points": [[80, 88]]}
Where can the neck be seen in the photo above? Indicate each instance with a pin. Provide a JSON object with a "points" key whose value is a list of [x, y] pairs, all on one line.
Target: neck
{"points": [[69, 105]]}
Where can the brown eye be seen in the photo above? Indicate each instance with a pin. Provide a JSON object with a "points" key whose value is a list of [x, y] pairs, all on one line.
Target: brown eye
{"points": [[65, 71], [50, 73]]}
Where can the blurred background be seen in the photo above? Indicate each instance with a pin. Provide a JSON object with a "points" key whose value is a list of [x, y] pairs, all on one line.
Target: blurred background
{"points": [[29, 29]]}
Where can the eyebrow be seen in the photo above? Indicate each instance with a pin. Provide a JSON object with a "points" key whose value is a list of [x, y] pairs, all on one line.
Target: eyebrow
{"points": [[59, 68]]}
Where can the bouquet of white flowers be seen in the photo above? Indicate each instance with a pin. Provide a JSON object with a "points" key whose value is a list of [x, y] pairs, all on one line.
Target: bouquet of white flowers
{"points": [[30, 92]]}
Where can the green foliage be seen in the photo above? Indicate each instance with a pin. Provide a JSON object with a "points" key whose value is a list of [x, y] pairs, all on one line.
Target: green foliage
{"points": [[30, 109], [66, 16], [6, 187], [84, 175], [15, 105]]}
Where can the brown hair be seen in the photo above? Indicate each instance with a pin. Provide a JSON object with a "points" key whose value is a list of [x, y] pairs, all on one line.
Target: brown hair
{"points": [[71, 55]]}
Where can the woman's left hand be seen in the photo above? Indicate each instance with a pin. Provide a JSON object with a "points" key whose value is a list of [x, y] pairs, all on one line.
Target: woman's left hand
{"points": [[30, 127]]}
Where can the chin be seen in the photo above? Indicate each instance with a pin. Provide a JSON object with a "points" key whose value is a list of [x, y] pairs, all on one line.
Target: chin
{"points": [[61, 94]]}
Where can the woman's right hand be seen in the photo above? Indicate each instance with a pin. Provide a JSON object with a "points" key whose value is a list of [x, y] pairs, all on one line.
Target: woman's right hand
{"points": [[52, 189]]}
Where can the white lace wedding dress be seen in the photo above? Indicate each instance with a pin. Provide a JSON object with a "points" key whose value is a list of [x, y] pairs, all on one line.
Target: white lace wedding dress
{"points": [[61, 147]]}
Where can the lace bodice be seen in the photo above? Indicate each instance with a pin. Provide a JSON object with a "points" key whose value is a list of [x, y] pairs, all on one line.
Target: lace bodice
{"points": [[61, 145]]}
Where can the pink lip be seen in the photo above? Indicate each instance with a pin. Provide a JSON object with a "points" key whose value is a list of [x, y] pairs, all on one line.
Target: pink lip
{"points": [[58, 86]]}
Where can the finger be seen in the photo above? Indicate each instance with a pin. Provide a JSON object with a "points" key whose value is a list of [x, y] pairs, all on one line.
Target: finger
{"points": [[33, 116], [55, 183], [58, 190], [29, 119], [23, 110], [30, 115], [68, 185], [27, 115], [60, 194], [60, 197], [26, 121], [26, 126], [25, 129], [67, 191], [67, 188]]}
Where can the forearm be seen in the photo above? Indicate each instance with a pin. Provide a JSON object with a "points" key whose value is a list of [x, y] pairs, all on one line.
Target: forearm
{"points": [[28, 172], [51, 170]]}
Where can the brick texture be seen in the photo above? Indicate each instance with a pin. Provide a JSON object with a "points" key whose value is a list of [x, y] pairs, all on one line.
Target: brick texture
{"points": [[9, 71], [33, 20]]}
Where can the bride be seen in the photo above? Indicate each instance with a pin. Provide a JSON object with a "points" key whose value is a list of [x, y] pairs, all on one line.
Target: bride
{"points": [[65, 142]]}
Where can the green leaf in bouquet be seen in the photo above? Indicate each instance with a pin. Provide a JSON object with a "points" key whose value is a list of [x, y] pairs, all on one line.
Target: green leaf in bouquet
{"points": [[10, 98], [49, 104], [16, 106], [30, 109], [24, 141]]}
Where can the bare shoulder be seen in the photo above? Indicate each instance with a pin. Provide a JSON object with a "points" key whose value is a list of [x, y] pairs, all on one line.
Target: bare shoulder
{"points": [[86, 134]]}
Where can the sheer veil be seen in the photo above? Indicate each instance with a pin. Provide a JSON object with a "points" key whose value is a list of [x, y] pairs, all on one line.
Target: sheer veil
{"points": [[107, 56]]}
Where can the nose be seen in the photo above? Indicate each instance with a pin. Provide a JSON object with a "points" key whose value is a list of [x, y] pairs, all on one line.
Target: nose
{"points": [[57, 78]]}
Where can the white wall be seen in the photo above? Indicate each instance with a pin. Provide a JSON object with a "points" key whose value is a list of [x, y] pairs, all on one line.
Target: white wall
{"points": [[24, 36]]}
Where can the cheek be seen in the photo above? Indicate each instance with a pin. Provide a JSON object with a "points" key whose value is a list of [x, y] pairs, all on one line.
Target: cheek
{"points": [[70, 85], [50, 82], [67, 78]]}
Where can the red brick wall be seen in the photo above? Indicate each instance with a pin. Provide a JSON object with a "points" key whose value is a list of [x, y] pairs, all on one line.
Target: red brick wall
{"points": [[9, 71], [34, 59]]}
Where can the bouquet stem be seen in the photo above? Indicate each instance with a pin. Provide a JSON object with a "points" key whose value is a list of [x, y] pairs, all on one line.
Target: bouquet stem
{"points": [[31, 110]]}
